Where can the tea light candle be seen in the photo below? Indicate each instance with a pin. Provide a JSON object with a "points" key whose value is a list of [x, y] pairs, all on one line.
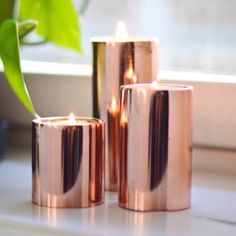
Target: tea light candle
{"points": [[68, 161], [117, 61], [156, 147]]}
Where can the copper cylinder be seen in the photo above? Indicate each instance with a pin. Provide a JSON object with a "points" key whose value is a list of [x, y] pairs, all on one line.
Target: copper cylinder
{"points": [[68, 162], [156, 147], [116, 63]]}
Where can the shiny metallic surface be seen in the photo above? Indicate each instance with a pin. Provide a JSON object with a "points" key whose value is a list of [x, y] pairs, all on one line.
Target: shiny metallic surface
{"points": [[68, 162], [116, 63], [156, 147]]}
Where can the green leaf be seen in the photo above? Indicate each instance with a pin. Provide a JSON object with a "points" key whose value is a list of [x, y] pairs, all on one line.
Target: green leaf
{"points": [[6, 9], [58, 21], [25, 27], [9, 52]]}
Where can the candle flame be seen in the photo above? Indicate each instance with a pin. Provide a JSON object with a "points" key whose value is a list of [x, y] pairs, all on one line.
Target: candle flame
{"points": [[113, 105], [121, 30], [71, 119]]}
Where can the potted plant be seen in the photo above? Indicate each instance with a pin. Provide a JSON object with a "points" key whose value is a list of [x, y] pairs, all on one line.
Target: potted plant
{"points": [[54, 21]]}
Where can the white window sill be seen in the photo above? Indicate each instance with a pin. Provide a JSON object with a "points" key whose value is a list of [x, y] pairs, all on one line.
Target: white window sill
{"points": [[213, 210], [84, 70]]}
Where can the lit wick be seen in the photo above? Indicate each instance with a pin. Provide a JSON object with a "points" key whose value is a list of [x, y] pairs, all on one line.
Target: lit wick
{"points": [[71, 119]]}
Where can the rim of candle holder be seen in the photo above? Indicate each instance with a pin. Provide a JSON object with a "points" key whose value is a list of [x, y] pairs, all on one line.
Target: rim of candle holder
{"points": [[159, 86], [113, 39], [88, 121]]}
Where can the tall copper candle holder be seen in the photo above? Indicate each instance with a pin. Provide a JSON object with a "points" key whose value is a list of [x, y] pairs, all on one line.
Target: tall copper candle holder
{"points": [[117, 62], [68, 162], [156, 147]]}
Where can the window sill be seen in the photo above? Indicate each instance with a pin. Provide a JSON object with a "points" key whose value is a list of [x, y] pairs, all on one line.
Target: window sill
{"points": [[20, 217], [83, 71]]}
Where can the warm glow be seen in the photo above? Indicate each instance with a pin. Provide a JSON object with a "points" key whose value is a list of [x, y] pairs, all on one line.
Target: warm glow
{"points": [[123, 118], [121, 30], [130, 76], [113, 105], [71, 119], [155, 84]]}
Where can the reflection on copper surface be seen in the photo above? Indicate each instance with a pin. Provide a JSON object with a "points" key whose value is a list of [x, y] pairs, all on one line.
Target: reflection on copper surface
{"points": [[123, 160], [115, 63], [67, 162], [158, 136], [156, 145], [130, 76], [113, 135]]}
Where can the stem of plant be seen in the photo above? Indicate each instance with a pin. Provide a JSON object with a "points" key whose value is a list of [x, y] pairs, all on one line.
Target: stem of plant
{"points": [[16, 10], [84, 7]]}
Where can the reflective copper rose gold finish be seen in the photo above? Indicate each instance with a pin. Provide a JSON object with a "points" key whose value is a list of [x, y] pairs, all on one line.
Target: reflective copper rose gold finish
{"points": [[113, 121], [68, 162], [116, 63], [156, 147]]}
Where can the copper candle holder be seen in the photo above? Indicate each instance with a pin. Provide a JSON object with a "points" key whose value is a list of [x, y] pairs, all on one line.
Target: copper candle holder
{"points": [[68, 162], [156, 147], [115, 63]]}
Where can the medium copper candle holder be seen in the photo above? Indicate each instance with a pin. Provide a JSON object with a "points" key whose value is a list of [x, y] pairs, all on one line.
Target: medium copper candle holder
{"points": [[68, 162], [115, 63], [156, 147]]}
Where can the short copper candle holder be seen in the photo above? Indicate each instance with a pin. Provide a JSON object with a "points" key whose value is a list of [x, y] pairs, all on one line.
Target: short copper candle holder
{"points": [[117, 62], [68, 162], [156, 147]]}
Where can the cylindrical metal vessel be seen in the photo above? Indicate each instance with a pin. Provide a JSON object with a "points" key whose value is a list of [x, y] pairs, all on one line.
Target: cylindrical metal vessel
{"points": [[68, 162], [156, 147], [116, 63]]}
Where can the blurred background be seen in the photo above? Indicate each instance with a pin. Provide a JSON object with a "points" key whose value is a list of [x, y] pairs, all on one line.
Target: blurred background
{"points": [[194, 35], [197, 37]]}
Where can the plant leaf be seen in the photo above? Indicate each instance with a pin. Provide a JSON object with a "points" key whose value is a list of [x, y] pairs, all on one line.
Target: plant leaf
{"points": [[9, 52], [6, 9], [58, 21], [25, 27]]}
